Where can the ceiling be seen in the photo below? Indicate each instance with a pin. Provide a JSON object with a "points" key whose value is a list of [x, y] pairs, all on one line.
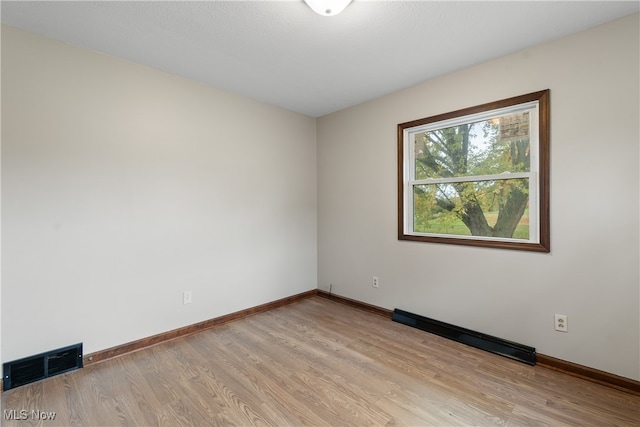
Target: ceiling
{"points": [[282, 53]]}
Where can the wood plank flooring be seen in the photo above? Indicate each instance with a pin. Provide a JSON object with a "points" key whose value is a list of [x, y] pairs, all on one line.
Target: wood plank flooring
{"points": [[322, 363]]}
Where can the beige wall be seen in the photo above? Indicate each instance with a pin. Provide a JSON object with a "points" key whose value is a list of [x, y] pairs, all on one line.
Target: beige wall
{"points": [[592, 272], [123, 186]]}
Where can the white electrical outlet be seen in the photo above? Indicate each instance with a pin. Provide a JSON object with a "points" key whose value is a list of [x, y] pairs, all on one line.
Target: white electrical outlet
{"points": [[374, 281], [561, 324], [186, 297]]}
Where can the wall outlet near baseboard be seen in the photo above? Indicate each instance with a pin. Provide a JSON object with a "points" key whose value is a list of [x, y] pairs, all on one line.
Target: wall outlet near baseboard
{"points": [[374, 281], [186, 297], [561, 324]]}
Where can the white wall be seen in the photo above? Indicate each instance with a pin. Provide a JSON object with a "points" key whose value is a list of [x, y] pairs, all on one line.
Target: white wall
{"points": [[123, 186], [591, 274]]}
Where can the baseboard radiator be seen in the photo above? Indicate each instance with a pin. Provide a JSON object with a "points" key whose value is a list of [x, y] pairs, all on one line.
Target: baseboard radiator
{"points": [[512, 350], [40, 366]]}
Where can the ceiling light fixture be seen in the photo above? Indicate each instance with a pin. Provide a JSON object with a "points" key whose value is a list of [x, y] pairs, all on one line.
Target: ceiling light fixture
{"points": [[327, 7]]}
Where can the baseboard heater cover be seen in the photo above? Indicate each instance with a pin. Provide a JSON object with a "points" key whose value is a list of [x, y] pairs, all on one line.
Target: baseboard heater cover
{"points": [[512, 350], [40, 366]]}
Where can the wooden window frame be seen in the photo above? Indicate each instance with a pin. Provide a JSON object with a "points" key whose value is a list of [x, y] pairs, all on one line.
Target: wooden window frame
{"points": [[541, 243]]}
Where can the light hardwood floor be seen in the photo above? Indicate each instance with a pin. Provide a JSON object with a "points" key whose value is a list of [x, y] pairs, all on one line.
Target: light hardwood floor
{"points": [[318, 362]]}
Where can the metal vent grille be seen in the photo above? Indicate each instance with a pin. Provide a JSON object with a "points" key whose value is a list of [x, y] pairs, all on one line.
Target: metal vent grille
{"points": [[40, 366]]}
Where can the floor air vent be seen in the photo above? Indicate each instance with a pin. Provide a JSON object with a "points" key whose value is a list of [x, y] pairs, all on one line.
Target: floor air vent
{"points": [[479, 340], [34, 368]]}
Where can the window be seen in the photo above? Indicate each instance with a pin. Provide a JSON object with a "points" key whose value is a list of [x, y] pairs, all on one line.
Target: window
{"points": [[478, 176]]}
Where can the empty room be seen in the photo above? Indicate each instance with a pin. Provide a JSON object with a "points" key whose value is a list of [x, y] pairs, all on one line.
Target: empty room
{"points": [[320, 212]]}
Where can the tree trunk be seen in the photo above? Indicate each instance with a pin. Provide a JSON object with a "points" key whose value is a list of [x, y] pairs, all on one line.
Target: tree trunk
{"points": [[510, 213]]}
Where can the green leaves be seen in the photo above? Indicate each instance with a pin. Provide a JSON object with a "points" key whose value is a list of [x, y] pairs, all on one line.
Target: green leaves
{"points": [[487, 207], [473, 149]]}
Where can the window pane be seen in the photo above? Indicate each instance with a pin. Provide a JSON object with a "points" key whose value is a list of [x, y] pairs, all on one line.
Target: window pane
{"points": [[497, 208], [487, 147]]}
